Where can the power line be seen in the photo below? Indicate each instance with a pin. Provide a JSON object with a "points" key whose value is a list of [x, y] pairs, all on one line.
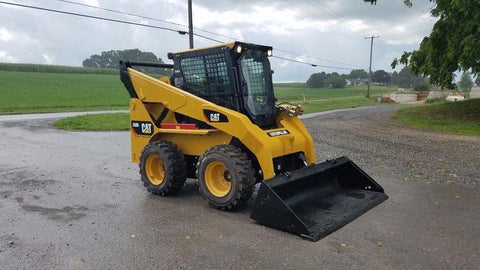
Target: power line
{"points": [[155, 27], [339, 33], [321, 59], [181, 32], [332, 11], [313, 24], [146, 17], [200, 29], [314, 15], [121, 12], [351, 23], [94, 17], [310, 64]]}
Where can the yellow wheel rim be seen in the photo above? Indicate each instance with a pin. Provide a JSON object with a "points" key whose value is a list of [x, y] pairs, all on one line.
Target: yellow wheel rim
{"points": [[154, 169], [218, 179]]}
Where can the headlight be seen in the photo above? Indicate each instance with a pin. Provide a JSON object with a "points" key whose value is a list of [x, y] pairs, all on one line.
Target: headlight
{"points": [[269, 52], [239, 49]]}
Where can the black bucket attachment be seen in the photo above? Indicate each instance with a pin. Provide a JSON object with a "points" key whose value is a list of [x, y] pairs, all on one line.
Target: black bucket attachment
{"points": [[316, 200]]}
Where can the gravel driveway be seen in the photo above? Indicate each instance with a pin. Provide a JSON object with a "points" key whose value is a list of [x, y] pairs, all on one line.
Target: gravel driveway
{"points": [[371, 138], [73, 200]]}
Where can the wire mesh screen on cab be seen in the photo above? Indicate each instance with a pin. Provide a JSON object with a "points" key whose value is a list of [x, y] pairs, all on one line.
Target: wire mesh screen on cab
{"points": [[207, 77]]}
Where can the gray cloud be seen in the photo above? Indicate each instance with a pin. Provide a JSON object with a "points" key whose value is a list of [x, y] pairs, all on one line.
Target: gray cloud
{"points": [[306, 27]]}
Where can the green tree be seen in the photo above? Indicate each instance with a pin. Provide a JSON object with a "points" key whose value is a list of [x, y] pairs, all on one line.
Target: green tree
{"points": [[335, 80], [358, 74], [407, 80], [110, 59], [422, 87], [381, 76], [465, 83], [317, 80], [453, 44], [394, 78]]}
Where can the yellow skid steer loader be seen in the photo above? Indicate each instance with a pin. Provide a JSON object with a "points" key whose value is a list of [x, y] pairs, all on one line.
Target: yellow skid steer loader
{"points": [[216, 119]]}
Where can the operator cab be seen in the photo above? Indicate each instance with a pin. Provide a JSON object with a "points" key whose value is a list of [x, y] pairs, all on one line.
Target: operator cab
{"points": [[233, 75]]}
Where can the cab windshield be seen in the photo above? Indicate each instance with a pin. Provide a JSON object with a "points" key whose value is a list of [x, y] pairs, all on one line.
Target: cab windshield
{"points": [[257, 83]]}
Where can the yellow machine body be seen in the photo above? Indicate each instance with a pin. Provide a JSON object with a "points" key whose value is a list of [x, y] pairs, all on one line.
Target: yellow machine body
{"points": [[154, 95]]}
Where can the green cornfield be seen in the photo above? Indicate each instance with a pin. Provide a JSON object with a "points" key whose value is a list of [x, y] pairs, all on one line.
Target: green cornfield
{"points": [[55, 69]]}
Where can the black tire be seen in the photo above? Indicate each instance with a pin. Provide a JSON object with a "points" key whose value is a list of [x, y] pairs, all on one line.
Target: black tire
{"points": [[238, 173], [162, 168]]}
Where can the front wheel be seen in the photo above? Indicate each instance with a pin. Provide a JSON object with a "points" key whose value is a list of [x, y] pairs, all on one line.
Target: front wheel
{"points": [[162, 168], [226, 177]]}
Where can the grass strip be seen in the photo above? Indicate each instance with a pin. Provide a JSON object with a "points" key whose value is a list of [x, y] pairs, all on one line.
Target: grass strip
{"points": [[321, 105], [95, 122], [461, 117]]}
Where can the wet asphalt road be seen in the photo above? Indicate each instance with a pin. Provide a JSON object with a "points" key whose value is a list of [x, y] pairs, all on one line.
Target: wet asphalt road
{"points": [[73, 200]]}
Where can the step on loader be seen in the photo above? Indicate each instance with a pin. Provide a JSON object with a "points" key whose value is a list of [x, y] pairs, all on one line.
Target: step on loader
{"points": [[216, 119]]}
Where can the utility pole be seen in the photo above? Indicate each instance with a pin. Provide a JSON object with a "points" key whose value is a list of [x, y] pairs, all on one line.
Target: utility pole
{"points": [[370, 68], [190, 24]]}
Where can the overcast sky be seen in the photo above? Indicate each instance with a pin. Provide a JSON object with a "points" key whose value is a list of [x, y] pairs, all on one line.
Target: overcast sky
{"points": [[329, 33]]}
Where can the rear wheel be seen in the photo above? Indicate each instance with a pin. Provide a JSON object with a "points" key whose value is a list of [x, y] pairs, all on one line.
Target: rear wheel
{"points": [[226, 177], [162, 168]]}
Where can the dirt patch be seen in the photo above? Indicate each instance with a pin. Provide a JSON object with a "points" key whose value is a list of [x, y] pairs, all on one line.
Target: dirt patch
{"points": [[23, 179], [9, 241], [31, 125], [65, 214]]}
